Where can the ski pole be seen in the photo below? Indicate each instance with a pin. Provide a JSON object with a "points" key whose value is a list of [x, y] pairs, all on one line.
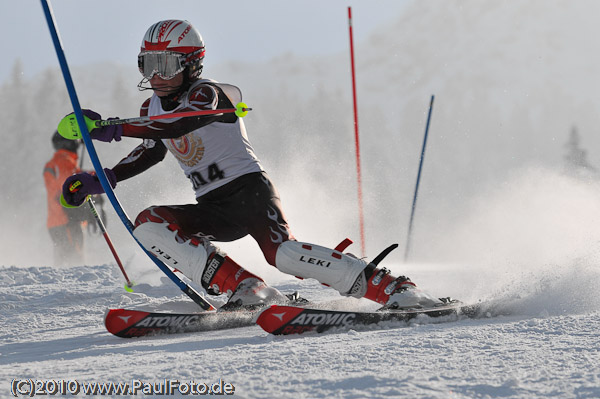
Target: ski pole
{"points": [[82, 155], [129, 284], [69, 129], [94, 210], [414, 204]]}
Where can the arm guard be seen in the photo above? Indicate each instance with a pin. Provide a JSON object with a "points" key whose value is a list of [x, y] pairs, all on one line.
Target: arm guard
{"points": [[144, 156]]}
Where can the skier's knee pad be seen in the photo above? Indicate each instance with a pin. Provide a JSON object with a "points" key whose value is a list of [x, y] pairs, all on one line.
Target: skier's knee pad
{"points": [[328, 266], [187, 255]]}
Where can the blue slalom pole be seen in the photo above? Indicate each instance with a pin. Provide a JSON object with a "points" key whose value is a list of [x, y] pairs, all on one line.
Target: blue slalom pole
{"points": [[190, 291], [414, 203]]}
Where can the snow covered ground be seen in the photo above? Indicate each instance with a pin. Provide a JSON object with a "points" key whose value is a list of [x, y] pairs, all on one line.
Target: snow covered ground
{"points": [[51, 323]]}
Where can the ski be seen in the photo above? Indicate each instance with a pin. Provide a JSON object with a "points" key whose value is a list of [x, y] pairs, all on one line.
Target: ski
{"points": [[127, 323], [277, 319], [287, 320]]}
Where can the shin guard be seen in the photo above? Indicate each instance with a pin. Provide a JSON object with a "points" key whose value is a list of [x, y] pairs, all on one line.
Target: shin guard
{"points": [[328, 266], [189, 256]]}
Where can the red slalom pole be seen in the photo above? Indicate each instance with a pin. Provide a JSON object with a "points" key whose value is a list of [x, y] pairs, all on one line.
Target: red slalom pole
{"points": [[128, 284], [356, 139]]}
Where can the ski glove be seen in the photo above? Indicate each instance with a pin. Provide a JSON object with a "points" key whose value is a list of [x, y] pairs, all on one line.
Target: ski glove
{"points": [[77, 187], [104, 133]]}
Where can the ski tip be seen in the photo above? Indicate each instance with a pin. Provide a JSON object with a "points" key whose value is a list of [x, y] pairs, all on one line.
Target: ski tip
{"points": [[273, 318], [119, 321]]}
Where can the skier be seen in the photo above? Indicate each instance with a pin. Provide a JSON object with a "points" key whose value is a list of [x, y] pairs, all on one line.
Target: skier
{"points": [[235, 196], [65, 226]]}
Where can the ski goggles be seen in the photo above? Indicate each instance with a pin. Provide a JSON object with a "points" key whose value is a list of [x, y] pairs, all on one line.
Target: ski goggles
{"points": [[164, 64]]}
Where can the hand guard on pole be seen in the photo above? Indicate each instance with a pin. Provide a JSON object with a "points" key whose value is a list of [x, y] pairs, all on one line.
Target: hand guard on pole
{"points": [[79, 186]]}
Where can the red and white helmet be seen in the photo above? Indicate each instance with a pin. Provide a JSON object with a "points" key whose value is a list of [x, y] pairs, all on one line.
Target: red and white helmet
{"points": [[176, 39]]}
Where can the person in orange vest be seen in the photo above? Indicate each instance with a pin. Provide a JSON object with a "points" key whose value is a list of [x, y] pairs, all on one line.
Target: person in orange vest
{"points": [[65, 225]]}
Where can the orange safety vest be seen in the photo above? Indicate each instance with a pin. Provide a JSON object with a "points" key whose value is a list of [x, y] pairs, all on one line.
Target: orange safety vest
{"points": [[62, 165]]}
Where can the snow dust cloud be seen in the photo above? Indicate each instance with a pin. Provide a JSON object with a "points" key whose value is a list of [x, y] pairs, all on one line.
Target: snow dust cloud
{"points": [[531, 242]]}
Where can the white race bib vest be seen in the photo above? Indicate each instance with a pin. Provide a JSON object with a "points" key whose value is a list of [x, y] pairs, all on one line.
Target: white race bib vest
{"points": [[215, 154]]}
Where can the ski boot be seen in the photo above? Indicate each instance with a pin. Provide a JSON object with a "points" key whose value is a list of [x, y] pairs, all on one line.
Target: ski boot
{"points": [[395, 293], [408, 296], [254, 294]]}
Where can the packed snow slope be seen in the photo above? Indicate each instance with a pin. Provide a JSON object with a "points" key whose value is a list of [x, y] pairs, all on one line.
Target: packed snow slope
{"points": [[546, 345]]}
